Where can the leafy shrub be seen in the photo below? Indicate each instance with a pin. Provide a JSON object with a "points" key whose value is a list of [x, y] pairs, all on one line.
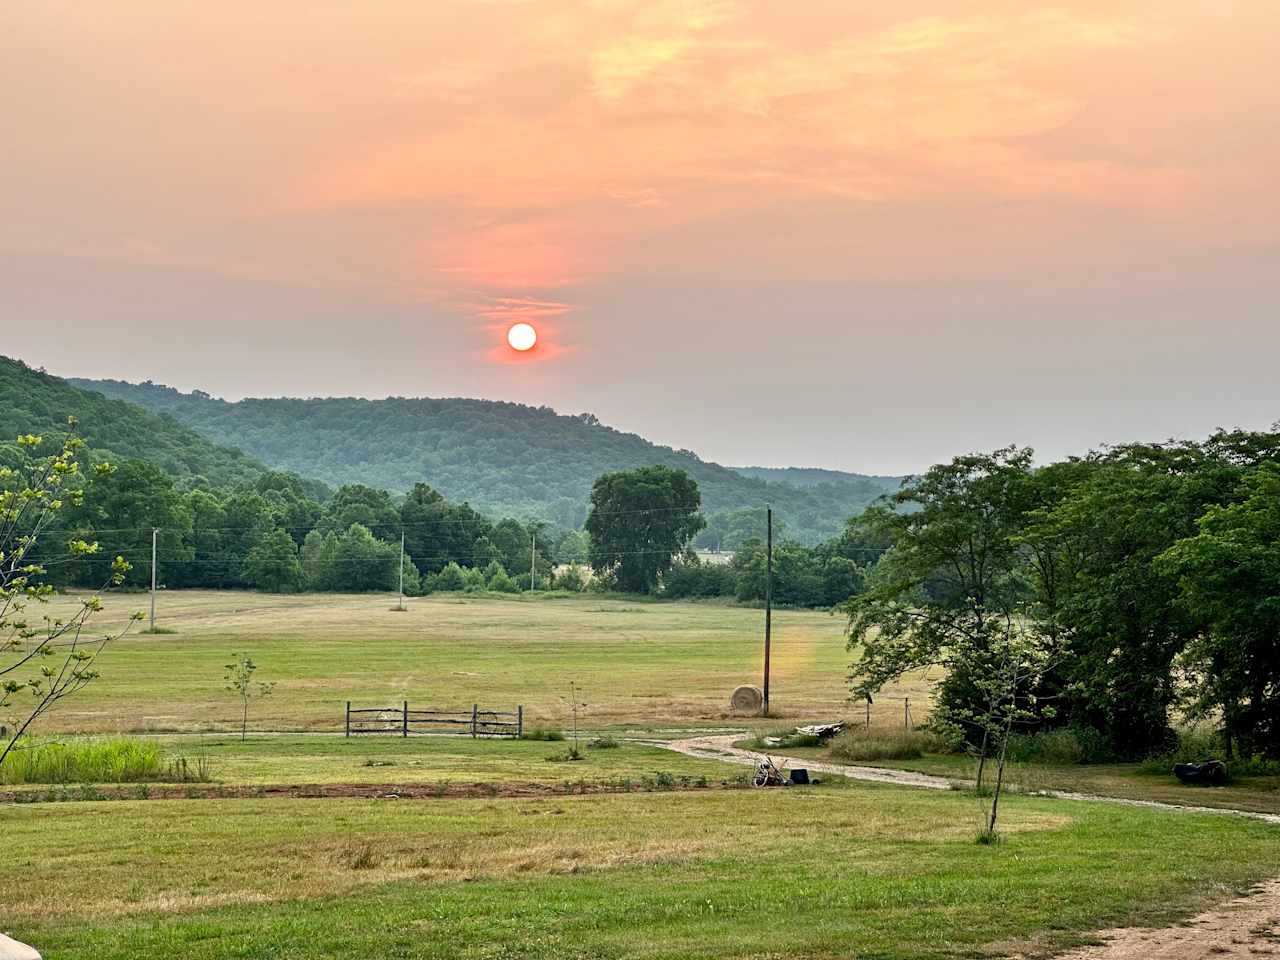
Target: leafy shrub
{"points": [[498, 580], [1065, 746], [692, 578], [858, 743], [604, 743], [542, 733], [571, 579], [572, 753], [114, 760], [448, 580]]}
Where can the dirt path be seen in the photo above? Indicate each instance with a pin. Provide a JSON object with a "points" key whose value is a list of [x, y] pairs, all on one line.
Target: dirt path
{"points": [[721, 747], [1247, 927]]}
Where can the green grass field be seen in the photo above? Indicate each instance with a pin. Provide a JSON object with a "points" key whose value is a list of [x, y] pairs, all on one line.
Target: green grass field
{"points": [[286, 856], [846, 870], [635, 664]]}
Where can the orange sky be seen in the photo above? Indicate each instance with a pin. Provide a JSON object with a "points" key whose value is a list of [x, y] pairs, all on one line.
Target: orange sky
{"points": [[1006, 180]]}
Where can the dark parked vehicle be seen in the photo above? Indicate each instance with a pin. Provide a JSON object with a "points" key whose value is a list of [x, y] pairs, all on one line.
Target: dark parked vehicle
{"points": [[1209, 773]]}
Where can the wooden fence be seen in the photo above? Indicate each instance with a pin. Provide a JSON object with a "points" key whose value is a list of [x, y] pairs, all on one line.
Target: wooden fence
{"points": [[401, 721]]}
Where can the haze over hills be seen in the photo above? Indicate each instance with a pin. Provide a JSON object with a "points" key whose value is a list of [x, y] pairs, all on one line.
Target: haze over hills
{"points": [[504, 458]]}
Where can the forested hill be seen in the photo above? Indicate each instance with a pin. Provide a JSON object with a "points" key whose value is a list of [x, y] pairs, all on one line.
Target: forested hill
{"points": [[504, 458], [32, 401]]}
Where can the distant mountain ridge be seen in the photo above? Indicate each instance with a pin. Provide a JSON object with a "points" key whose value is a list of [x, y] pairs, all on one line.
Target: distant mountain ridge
{"points": [[815, 476], [504, 458]]}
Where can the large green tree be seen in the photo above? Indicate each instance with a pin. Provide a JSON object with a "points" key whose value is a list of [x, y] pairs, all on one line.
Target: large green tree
{"points": [[120, 508], [273, 565], [640, 520], [1112, 607], [952, 577], [437, 531], [1228, 576]]}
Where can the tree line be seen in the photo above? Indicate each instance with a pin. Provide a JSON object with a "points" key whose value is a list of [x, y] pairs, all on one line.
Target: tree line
{"points": [[1127, 588], [270, 533]]}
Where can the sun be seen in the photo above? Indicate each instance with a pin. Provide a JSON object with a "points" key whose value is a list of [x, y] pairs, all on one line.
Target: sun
{"points": [[522, 337]]}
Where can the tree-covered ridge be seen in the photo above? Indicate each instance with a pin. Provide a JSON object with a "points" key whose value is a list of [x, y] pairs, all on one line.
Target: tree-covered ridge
{"points": [[502, 458], [817, 477], [35, 402]]}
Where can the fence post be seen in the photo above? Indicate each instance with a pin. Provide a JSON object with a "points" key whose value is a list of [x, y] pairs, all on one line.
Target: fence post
{"points": [[348, 723], [868, 713], [519, 721], [906, 714], [404, 719], [475, 716]]}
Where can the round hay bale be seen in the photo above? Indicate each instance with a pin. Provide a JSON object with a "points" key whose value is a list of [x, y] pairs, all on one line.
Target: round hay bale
{"points": [[746, 699]]}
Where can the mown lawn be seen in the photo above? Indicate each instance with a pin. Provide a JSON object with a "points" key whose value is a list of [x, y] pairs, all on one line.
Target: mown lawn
{"points": [[847, 870], [634, 664]]}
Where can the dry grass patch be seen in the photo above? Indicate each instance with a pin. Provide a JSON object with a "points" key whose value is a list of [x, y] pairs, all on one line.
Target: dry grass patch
{"points": [[649, 664]]}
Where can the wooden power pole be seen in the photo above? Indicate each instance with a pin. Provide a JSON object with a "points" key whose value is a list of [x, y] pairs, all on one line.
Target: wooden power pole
{"points": [[768, 603], [154, 531], [401, 607]]}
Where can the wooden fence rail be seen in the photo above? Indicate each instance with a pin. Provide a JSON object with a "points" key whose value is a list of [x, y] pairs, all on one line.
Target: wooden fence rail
{"points": [[401, 721]]}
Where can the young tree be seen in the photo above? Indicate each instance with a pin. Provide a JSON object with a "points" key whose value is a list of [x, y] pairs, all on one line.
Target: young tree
{"points": [[640, 520], [1004, 671], [239, 677], [41, 664]]}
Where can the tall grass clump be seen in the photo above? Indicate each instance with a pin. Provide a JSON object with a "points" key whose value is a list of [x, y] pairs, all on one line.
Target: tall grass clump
{"points": [[859, 743], [542, 733], [115, 760], [784, 739]]}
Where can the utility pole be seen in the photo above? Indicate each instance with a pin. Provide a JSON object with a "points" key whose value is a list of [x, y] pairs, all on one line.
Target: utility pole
{"points": [[768, 604], [401, 607], [154, 531], [533, 559]]}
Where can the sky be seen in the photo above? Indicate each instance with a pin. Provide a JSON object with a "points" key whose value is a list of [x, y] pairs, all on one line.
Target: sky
{"points": [[852, 235]]}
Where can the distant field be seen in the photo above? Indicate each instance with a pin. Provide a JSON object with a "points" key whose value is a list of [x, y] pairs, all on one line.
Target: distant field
{"points": [[635, 664]]}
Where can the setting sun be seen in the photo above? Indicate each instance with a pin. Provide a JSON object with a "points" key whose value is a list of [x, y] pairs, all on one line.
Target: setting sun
{"points": [[522, 337]]}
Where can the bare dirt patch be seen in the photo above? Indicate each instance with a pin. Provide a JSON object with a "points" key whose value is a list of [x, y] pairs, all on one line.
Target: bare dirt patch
{"points": [[371, 791], [1245, 927]]}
